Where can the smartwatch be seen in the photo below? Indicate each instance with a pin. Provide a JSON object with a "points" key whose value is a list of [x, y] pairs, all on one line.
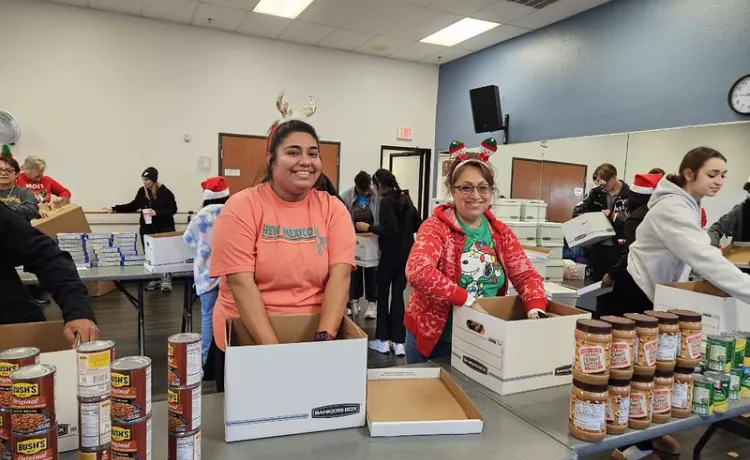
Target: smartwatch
{"points": [[323, 336]]}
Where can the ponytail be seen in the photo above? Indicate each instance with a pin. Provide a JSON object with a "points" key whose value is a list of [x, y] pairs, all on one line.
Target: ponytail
{"points": [[386, 179], [678, 180]]}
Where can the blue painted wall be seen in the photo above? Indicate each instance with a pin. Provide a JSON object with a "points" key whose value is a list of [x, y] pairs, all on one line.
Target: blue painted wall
{"points": [[627, 65]]}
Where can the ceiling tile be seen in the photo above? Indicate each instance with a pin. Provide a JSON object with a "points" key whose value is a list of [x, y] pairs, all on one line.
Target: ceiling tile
{"points": [[461, 7], [83, 3], [415, 51], [334, 13], [134, 7], [503, 12], [246, 5], [263, 25], [306, 32], [423, 23], [556, 12], [343, 39], [383, 17], [180, 11], [218, 17], [492, 37], [417, 2], [383, 46], [446, 55]]}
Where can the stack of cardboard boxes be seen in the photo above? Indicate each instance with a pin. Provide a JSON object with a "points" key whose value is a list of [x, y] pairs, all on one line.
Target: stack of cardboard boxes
{"points": [[101, 249]]}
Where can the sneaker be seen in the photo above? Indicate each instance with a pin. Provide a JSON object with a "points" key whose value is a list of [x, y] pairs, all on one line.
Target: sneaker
{"points": [[353, 309], [399, 349], [372, 311], [632, 453], [381, 346], [153, 285], [166, 286]]}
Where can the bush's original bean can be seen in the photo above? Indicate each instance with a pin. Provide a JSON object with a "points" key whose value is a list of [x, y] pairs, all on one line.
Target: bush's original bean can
{"points": [[184, 409], [131, 440], [184, 360], [103, 454], [94, 373], [185, 446], [94, 424], [32, 403], [10, 361], [5, 445], [38, 446], [131, 388]]}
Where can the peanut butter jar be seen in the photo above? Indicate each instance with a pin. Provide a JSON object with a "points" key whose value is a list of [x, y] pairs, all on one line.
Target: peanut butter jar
{"points": [[661, 399], [682, 392], [646, 342], [668, 346], [641, 394], [618, 406], [622, 356], [588, 409], [593, 348], [691, 338]]}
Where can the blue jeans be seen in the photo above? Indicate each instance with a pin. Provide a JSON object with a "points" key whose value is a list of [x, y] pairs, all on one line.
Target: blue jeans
{"points": [[413, 356], [208, 300]]}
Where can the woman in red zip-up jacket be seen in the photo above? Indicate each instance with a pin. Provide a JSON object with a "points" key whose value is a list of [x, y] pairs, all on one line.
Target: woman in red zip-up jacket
{"points": [[462, 253]]}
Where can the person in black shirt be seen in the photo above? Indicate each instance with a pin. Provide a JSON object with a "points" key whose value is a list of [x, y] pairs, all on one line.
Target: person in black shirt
{"points": [[22, 244], [158, 207]]}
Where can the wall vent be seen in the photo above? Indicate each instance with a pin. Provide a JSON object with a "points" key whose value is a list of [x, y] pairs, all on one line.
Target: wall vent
{"points": [[537, 4]]}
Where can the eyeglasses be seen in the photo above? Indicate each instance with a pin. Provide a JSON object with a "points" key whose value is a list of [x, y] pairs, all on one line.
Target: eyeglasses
{"points": [[467, 190], [7, 170]]}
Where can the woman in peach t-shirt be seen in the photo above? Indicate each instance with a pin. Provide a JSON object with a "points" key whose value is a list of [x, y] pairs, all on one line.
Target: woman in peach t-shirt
{"points": [[282, 247]]}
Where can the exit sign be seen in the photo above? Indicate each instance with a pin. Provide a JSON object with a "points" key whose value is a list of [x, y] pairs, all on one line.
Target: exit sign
{"points": [[404, 134]]}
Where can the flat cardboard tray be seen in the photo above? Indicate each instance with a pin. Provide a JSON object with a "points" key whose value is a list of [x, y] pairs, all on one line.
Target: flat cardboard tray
{"points": [[418, 402]]}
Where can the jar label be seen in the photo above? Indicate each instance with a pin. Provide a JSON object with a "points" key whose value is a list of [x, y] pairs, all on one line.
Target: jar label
{"points": [[592, 359], [667, 347], [680, 395], [661, 401], [650, 352], [693, 346], [618, 410], [638, 405], [590, 416], [620, 358]]}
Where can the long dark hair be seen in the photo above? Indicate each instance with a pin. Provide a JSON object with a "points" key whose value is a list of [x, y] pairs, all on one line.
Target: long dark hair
{"points": [[385, 178], [693, 161], [276, 135]]}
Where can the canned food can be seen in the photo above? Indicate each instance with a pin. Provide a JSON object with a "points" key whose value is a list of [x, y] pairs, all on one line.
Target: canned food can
{"points": [[184, 360], [105, 453], [719, 353], [94, 374], [185, 446], [735, 384], [5, 447], [740, 345], [131, 388], [703, 395], [10, 360], [131, 439], [721, 382], [699, 369], [94, 424], [184, 405], [38, 446], [32, 404]]}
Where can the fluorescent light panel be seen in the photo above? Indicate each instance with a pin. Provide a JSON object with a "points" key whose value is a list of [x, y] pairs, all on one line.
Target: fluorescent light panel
{"points": [[459, 31], [282, 8]]}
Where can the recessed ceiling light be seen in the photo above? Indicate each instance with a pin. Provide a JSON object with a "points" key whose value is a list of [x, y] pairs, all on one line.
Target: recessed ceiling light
{"points": [[282, 8], [459, 31]]}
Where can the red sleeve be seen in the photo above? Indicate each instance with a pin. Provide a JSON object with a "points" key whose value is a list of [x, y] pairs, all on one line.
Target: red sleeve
{"points": [[56, 188], [22, 180], [421, 267], [527, 281]]}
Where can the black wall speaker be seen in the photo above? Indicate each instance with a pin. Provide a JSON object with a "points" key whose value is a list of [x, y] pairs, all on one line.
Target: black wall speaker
{"points": [[485, 109]]}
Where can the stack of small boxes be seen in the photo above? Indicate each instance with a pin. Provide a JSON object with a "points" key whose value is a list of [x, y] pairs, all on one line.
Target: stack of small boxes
{"points": [[102, 249]]}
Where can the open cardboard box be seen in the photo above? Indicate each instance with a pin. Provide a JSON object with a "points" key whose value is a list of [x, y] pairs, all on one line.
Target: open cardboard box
{"points": [[298, 386], [738, 254], [415, 402], [721, 312], [47, 336], [508, 353], [367, 250]]}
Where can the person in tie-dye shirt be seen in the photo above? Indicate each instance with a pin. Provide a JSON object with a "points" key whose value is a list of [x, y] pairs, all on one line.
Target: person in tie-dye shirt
{"points": [[198, 236]]}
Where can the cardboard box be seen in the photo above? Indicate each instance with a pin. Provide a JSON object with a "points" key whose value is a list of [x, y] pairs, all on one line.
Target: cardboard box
{"points": [[507, 209], [66, 219], [508, 353], [550, 234], [555, 270], [298, 386], [587, 229], [721, 312], [561, 294], [47, 336], [524, 231], [167, 253], [534, 211], [738, 254], [396, 404], [367, 250], [100, 288]]}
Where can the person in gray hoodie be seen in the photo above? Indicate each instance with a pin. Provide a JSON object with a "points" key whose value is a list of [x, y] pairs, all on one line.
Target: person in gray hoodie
{"points": [[20, 200], [670, 237], [735, 223]]}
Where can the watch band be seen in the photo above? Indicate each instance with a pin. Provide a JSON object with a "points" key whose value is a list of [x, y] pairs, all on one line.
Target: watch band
{"points": [[323, 336]]}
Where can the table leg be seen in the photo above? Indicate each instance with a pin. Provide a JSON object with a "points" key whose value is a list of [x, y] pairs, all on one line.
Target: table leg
{"points": [[704, 440], [141, 322], [187, 305]]}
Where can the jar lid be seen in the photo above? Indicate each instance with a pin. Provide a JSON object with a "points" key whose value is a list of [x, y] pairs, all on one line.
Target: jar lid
{"points": [[642, 378], [593, 326], [619, 383], [664, 374], [642, 320], [590, 387], [664, 317], [619, 324], [683, 370], [687, 315]]}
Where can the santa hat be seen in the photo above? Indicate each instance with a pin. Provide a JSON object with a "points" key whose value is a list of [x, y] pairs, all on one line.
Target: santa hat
{"points": [[645, 183], [215, 188]]}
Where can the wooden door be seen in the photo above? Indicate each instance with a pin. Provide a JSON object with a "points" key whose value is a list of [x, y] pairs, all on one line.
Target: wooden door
{"points": [[553, 182], [242, 160]]}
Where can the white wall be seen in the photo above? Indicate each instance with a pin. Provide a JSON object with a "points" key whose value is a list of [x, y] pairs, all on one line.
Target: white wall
{"points": [[101, 96]]}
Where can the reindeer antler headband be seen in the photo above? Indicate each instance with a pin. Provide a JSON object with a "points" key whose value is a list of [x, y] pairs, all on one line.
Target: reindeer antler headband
{"points": [[288, 114]]}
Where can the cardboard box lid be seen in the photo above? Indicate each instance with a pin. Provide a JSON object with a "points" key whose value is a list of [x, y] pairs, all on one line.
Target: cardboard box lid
{"points": [[737, 253], [536, 252], [46, 335], [700, 287], [66, 219], [416, 395], [510, 308], [290, 329], [157, 236], [559, 290]]}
